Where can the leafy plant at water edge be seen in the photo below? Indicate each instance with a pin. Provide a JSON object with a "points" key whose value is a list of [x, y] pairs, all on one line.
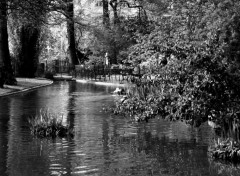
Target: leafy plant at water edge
{"points": [[46, 124], [199, 78], [225, 150]]}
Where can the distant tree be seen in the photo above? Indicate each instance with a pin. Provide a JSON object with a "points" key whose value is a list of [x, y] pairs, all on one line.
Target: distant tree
{"points": [[29, 50], [116, 37], [26, 12], [27, 21], [69, 12], [106, 18]]}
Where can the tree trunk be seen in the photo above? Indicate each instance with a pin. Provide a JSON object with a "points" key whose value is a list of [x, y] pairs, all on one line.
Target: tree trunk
{"points": [[106, 19], [114, 5], [5, 61], [115, 16], [71, 33], [28, 50]]}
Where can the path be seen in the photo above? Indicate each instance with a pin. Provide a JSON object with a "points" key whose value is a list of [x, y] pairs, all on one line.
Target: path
{"points": [[24, 84]]}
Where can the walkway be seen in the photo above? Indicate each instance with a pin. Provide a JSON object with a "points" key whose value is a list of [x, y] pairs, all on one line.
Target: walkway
{"points": [[24, 84]]}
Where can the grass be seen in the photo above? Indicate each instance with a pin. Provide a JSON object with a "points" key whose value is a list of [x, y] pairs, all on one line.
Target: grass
{"points": [[47, 124]]}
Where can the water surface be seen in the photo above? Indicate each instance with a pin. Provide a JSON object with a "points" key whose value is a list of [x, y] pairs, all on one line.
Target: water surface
{"points": [[104, 144]]}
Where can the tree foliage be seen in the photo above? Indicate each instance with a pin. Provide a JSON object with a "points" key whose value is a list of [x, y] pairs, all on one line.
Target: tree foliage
{"points": [[27, 20], [27, 27], [197, 76]]}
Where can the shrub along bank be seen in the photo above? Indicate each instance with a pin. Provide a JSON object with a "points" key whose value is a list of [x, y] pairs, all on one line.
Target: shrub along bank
{"points": [[46, 124], [195, 76]]}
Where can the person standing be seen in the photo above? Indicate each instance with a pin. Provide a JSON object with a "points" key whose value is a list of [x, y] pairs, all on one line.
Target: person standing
{"points": [[106, 59]]}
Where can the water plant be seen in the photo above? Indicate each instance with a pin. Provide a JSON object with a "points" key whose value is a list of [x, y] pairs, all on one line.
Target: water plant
{"points": [[47, 124], [228, 150]]}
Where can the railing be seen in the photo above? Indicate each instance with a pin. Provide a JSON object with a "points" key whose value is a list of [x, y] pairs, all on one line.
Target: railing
{"points": [[62, 68], [92, 72], [106, 73]]}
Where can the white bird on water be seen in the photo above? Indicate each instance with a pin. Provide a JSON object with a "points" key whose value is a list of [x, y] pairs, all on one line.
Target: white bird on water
{"points": [[118, 91]]}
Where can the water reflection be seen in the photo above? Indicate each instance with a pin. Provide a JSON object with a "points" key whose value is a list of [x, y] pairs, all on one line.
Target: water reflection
{"points": [[4, 120], [103, 144]]}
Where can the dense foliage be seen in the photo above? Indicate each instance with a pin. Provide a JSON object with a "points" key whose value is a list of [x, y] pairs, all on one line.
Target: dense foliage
{"points": [[225, 150], [193, 74]]}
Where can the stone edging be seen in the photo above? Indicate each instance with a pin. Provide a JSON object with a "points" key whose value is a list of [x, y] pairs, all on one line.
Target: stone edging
{"points": [[26, 89]]}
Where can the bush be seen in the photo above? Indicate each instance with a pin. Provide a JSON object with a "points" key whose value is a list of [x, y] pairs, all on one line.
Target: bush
{"points": [[193, 89], [227, 150], [46, 124], [199, 78]]}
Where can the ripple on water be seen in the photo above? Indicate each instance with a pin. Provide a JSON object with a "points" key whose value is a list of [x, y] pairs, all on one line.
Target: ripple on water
{"points": [[58, 173], [85, 172], [103, 144]]}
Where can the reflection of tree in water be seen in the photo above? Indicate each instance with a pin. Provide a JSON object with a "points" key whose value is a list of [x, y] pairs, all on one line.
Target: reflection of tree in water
{"points": [[165, 156], [223, 168], [27, 155], [69, 145], [175, 157], [71, 105], [22, 157], [105, 141], [4, 120], [53, 156]]}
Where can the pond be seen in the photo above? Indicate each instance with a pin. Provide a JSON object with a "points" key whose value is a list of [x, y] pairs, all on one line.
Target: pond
{"points": [[104, 144]]}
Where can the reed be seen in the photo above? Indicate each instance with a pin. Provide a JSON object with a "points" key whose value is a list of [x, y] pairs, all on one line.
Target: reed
{"points": [[47, 124]]}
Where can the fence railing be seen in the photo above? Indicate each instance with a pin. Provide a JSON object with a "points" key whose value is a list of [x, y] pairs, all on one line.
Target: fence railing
{"points": [[63, 69], [93, 72], [106, 73]]}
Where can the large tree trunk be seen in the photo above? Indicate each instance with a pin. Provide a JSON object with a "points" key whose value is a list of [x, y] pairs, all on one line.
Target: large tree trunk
{"points": [[71, 33], [106, 19], [7, 75], [28, 50]]}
